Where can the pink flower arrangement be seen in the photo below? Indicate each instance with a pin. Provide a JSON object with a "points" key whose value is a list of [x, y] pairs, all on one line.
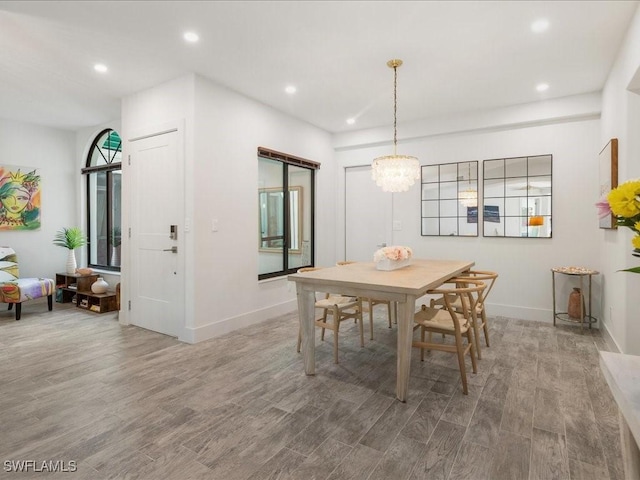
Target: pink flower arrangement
{"points": [[393, 253]]}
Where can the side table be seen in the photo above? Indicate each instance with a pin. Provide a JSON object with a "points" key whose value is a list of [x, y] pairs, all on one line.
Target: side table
{"points": [[585, 316]]}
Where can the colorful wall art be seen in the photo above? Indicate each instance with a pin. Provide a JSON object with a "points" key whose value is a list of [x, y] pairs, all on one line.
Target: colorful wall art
{"points": [[20, 198]]}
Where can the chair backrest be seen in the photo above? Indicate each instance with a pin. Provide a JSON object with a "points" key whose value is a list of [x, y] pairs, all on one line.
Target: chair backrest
{"points": [[307, 269], [346, 262], [8, 265], [487, 277], [468, 290]]}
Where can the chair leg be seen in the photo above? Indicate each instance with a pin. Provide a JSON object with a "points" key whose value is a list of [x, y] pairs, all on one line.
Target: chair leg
{"points": [[10, 306], [463, 371], [471, 350], [361, 322], [476, 335], [371, 319], [422, 331], [485, 327], [299, 340], [18, 310], [389, 312], [336, 328], [324, 320], [50, 302]]}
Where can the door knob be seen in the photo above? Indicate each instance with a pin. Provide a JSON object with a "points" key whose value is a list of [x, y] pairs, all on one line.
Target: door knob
{"points": [[172, 250]]}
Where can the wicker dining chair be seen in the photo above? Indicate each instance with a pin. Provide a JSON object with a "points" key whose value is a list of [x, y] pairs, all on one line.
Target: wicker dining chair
{"points": [[480, 320], [445, 319], [372, 302], [340, 308]]}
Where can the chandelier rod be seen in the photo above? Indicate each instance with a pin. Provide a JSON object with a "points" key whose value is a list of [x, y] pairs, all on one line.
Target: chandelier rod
{"points": [[395, 63]]}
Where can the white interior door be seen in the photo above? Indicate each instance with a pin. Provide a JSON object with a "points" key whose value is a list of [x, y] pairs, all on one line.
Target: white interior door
{"points": [[157, 266], [368, 212]]}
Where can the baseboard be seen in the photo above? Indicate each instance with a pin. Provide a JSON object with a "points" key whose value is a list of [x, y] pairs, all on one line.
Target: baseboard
{"points": [[522, 313], [222, 327], [609, 340]]}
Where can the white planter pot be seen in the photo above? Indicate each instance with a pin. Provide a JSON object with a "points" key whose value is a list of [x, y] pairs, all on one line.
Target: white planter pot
{"points": [[387, 264], [71, 262]]}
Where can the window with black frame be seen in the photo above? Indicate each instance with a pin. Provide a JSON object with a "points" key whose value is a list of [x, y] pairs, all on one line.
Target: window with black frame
{"points": [[104, 186], [285, 220]]}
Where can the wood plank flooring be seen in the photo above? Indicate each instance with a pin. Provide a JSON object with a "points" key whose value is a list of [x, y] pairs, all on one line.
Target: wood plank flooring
{"points": [[123, 402]]}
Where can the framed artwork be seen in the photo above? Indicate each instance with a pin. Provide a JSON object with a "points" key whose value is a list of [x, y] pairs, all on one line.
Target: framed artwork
{"points": [[608, 161], [491, 213], [20, 198]]}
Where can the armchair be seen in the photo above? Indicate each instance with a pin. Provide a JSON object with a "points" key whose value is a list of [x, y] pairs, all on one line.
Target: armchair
{"points": [[15, 290]]}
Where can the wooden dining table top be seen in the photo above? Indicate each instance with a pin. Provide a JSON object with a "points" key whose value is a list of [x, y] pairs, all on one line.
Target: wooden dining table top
{"points": [[414, 279]]}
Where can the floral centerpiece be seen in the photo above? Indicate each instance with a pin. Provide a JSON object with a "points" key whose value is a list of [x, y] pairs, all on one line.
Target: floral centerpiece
{"points": [[392, 258], [623, 202]]}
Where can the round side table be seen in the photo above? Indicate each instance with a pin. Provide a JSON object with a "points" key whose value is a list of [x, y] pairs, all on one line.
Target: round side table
{"points": [[585, 316]]}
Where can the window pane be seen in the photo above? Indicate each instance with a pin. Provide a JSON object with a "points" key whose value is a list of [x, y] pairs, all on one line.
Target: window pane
{"points": [[115, 210], [98, 215], [300, 215], [285, 213], [271, 208], [107, 149], [104, 204]]}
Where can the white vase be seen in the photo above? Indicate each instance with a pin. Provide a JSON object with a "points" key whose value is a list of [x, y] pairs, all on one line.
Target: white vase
{"points": [[99, 286], [71, 262], [388, 264]]}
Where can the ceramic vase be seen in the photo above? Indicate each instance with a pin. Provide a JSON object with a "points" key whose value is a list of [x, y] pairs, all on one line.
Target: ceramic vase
{"points": [[387, 264], [575, 299], [99, 286], [71, 262]]}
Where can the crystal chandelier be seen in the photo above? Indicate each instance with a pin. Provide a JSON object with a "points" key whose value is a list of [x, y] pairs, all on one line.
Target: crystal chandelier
{"points": [[468, 197], [395, 173]]}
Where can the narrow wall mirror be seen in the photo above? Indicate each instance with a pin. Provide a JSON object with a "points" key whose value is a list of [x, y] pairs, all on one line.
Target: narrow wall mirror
{"points": [[272, 233], [450, 199], [517, 197]]}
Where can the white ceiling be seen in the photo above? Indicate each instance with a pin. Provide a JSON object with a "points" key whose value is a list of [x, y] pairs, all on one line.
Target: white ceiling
{"points": [[458, 56]]}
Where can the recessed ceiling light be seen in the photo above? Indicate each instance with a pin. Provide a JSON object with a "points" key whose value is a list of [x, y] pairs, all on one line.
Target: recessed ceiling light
{"points": [[100, 67], [351, 121], [291, 89], [191, 37], [540, 25], [541, 87]]}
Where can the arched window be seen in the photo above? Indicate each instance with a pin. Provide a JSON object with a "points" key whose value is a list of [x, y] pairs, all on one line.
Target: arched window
{"points": [[104, 187]]}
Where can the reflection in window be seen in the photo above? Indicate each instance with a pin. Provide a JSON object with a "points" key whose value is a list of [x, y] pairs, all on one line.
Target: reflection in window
{"points": [[450, 199], [104, 185], [517, 197], [285, 222]]}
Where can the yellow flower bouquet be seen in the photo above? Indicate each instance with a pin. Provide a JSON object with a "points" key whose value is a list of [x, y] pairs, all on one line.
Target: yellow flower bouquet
{"points": [[623, 202]]}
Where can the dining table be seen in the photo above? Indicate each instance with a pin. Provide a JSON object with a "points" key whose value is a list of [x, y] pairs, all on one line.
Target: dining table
{"points": [[362, 279]]}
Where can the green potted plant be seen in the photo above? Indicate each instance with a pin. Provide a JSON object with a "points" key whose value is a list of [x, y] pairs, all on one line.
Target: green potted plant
{"points": [[70, 238]]}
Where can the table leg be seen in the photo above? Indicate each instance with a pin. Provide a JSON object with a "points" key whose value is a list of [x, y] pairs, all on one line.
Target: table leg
{"points": [[553, 286], [406, 311], [306, 313]]}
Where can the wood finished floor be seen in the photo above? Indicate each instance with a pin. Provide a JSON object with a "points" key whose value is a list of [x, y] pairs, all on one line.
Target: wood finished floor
{"points": [[124, 402]]}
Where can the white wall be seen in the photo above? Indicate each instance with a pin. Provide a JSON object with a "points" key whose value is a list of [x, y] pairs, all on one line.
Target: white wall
{"points": [[621, 119], [228, 130], [222, 133], [52, 152], [569, 130]]}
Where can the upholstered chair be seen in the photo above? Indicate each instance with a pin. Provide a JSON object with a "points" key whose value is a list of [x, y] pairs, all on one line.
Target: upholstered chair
{"points": [[15, 290]]}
